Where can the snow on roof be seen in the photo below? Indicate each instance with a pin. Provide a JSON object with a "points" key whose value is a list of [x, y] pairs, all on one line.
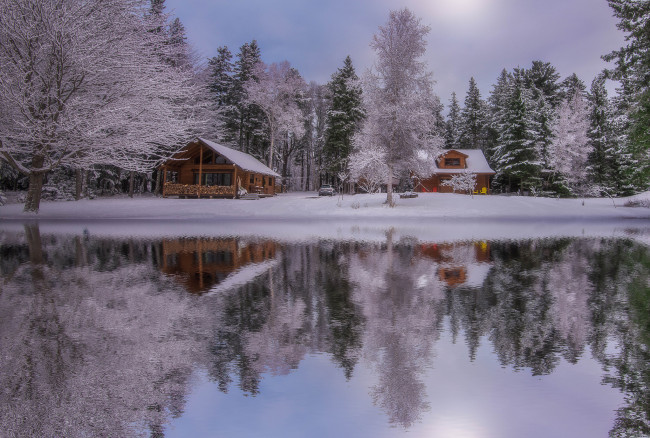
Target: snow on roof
{"points": [[243, 160], [476, 162]]}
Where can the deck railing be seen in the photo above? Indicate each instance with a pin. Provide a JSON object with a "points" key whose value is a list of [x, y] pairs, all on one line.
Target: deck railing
{"points": [[174, 189]]}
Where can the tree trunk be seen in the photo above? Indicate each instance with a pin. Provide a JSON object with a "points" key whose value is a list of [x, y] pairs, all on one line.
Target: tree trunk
{"points": [[79, 183], [159, 173], [271, 151], [131, 183], [308, 181], [389, 187], [35, 189]]}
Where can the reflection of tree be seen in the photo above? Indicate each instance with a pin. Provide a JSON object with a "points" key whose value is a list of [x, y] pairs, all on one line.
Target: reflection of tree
{"points": [[92, 330], [89, 353], [300, 306], [400, 296], [622, 311]]}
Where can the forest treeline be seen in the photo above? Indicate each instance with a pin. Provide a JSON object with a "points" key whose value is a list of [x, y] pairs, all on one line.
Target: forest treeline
{"points": [[96, 95]]}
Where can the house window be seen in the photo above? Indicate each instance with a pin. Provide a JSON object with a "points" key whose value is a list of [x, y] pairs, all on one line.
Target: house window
{"points": [[220, 160], [214, 179], [452, 162], [252, 181], [207, 157]]}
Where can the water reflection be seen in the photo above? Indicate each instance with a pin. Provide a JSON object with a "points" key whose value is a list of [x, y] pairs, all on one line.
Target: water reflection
{"points": [[102, 337], [201, 264]]}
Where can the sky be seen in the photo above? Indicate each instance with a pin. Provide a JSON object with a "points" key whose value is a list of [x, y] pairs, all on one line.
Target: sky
{"points": [[468, 38]]}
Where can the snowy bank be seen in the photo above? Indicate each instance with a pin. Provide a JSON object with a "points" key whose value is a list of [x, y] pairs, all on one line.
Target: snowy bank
{"points": [[305, 216], [307, 205]]}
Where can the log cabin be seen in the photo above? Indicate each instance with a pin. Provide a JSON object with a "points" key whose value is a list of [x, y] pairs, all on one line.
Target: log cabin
{"points": [[205, 169], [453, 162]]}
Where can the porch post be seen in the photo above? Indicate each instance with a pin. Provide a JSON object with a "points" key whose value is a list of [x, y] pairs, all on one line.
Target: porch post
{"points": [[198, 188], [234, 182], [164, 178]]}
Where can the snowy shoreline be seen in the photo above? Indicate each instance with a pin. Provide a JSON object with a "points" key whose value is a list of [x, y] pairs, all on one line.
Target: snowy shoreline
{"points": [[307, 205], [304, 216]]}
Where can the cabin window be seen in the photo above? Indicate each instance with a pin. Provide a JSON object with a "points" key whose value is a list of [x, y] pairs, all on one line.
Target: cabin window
{"points": [[214, 179], [270, 181], [217, 257], [220, 159], [452, 162], [207, 157], [263, 182], [252, 181]]}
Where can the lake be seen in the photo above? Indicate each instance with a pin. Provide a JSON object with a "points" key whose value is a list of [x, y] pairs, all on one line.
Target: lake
{"points": [[340, 330]]}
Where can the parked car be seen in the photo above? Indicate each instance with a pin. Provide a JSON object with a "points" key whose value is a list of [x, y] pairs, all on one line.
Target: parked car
{"points": [[326, 190]]}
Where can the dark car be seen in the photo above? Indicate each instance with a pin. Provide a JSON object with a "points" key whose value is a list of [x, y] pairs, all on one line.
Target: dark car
{"points": [[326, 190]]}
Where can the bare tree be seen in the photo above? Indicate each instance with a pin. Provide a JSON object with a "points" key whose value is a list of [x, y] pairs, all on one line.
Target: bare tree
{"points": [[85, 82], [276, 91], [399, 100], [570, 148]]}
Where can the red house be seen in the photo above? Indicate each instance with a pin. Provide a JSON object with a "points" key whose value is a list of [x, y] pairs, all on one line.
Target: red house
{"points": [[454, 162]]}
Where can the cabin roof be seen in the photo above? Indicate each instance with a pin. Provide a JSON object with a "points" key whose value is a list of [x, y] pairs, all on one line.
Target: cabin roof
{"points": [[476, 162], [241, 159]]}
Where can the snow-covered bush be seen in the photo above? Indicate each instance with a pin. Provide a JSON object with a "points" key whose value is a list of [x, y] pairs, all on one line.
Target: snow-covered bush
{"points": [[462, 182]]}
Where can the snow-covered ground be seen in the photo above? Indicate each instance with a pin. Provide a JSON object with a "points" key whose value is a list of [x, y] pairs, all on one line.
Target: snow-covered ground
{"points": [[430, 216], [307, 205]]}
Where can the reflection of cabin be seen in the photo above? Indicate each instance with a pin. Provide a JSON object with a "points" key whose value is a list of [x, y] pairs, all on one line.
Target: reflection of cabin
{"points": [[454, 162], [207, 169], [459, 262], [200, 264]]}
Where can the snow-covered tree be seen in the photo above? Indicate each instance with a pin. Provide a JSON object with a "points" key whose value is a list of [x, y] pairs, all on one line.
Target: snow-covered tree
{"points": [[400, 104], [632, 68], [85, 83], [275, 90], [452, 127], [541, 78], [570, 148], [368, 168], [602, 158], [343, 117], [472, 125], [516, 154], [497, 104], [462, 182]]}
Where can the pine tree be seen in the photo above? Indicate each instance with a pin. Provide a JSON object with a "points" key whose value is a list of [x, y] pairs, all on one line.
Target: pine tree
{"points": [[452, 131], [246, 120], [602, 161], [516, 155], [542, 133], [571, 86], [343, 117], [220, 86], [497, 104], [633, 70], [472, 126], [542, 79]]}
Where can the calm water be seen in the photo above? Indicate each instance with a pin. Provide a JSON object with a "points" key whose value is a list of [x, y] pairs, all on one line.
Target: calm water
{"points": [[260, 337]]}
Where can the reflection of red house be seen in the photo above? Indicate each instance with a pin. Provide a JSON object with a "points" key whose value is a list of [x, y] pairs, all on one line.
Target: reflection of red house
{"points": [[453, 276], [200, 264], [453, 269], [456, 161]]}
